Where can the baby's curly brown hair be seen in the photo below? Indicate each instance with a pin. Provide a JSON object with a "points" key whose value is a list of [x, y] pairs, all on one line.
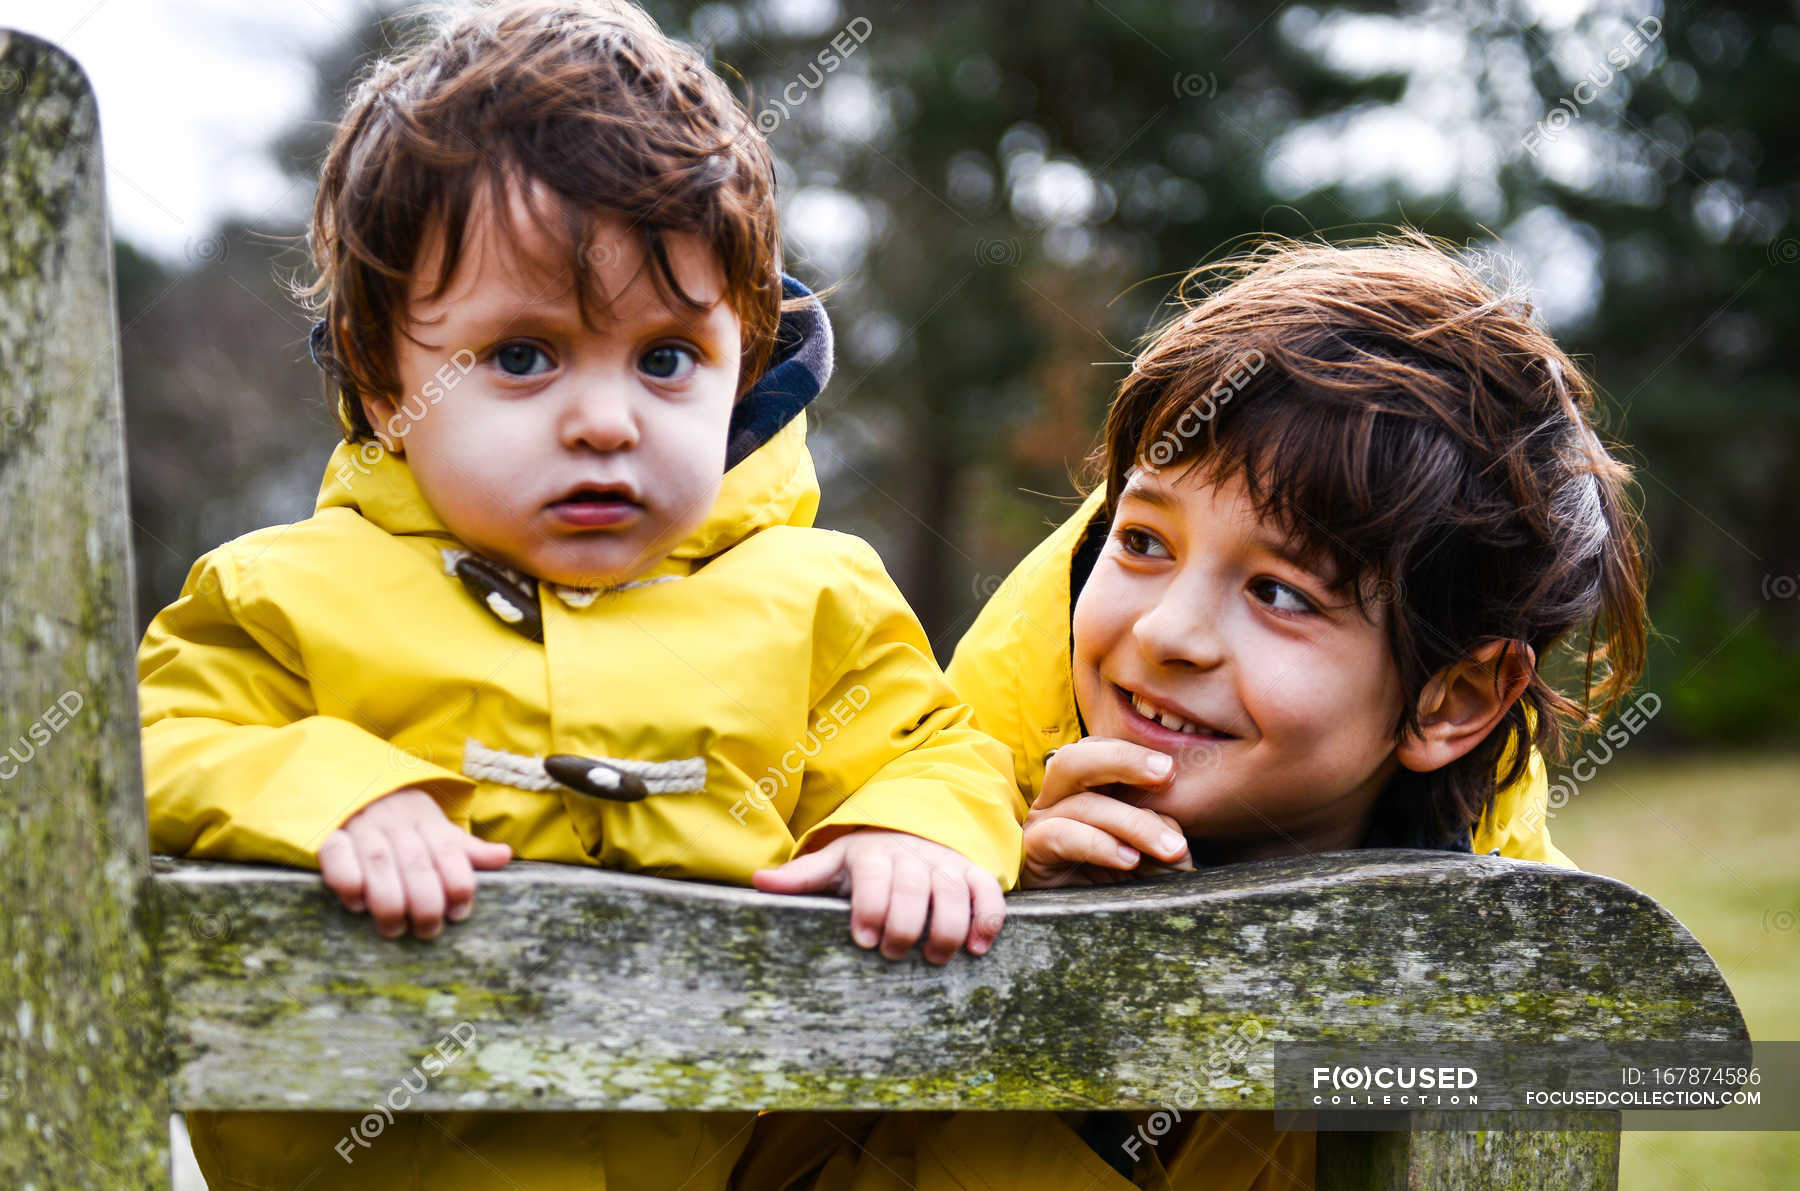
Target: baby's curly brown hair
{"points": [[586, 99]]}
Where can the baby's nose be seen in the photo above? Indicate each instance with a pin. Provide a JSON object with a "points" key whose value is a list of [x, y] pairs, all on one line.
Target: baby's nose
{"points": [[600, 416]]}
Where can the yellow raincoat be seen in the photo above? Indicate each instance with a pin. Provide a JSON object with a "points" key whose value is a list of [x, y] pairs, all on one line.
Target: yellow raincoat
{"points": [[309, 669], [1014, 668]]}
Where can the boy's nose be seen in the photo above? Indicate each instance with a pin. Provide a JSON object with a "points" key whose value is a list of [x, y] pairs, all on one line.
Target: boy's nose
{"points": [[600, 416], [1181, 629]]}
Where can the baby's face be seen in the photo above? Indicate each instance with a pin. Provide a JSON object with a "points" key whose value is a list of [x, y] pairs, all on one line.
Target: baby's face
{"points": [[579, 455], [1284, 700]]}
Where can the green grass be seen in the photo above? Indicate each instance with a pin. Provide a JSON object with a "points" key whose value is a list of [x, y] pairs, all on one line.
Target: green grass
{"points": [[1716, 839]]}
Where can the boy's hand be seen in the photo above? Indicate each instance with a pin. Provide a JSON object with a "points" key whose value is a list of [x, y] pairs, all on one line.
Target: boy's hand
{"points": [[405, 862], [893, 878], [1076, 834]]}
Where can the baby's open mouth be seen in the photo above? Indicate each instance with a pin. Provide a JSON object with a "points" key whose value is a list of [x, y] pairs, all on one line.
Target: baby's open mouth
{"points": [[592, 498], [597, 505]]}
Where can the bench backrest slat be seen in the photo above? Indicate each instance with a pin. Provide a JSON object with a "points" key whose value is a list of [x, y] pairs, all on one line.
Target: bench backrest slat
{"points": [[575, 988]]}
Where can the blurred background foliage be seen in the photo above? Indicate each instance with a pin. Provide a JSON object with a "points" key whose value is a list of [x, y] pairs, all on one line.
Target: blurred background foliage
{"points": [[1005, 195]]}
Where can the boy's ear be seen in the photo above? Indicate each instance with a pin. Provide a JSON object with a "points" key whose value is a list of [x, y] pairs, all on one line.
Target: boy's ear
{"points": [[1464, 701], [383, 417]]}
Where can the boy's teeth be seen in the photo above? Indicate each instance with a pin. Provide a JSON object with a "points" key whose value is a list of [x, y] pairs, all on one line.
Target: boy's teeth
{"points": [[1167, 719]]}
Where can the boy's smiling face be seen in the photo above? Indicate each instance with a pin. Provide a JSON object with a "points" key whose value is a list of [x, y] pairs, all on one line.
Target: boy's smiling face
{"points": [[1287, 695], [581, 455]]}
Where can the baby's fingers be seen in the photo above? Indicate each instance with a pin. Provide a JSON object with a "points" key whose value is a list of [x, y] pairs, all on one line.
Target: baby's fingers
{"points": [[949, 916], [423, 884], [341, 871], [908, 904], [871, 887], [815, 872], [989, 909], [482, 854]]}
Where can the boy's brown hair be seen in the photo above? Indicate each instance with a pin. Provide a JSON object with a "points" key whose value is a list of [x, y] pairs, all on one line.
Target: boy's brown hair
{"points": [[586, 98], [1431, 446]]}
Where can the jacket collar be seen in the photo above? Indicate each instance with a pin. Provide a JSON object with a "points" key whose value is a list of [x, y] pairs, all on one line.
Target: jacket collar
{"points": [[769, 478]]}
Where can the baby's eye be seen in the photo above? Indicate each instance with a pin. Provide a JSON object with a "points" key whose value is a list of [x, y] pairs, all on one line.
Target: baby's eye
{"points": [[1281, 596], [1142, 543], [667, 361], [522, 359]]}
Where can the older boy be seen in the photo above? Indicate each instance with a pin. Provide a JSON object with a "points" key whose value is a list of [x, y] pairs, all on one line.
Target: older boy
{"points": [[560, 598]]}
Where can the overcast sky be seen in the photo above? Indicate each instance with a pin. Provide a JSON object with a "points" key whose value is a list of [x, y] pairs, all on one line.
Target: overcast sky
{"points": [[190, 93]]}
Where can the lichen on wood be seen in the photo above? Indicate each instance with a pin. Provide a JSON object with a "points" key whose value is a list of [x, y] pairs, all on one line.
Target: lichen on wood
{"points": [[82, 1102], [590, 989]]}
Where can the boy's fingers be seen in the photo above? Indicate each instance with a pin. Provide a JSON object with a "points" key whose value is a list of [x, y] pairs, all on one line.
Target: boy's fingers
{"points": [[907, 906], [340, 871], [949, 916], [989, 906], [1096, 761], [419, 876], [871, 885], [1070, 842], [1145, 830], [382, 890]]}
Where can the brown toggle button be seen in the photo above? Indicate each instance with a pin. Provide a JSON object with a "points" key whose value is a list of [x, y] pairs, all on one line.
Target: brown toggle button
{"points": [[596, 778], [513, 604]]}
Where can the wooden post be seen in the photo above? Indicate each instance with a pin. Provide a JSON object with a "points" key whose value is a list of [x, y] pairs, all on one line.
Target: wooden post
{"points": [[82, 1097]]}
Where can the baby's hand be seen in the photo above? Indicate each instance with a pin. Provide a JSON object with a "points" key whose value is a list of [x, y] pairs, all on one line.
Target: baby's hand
{"points": [[1077, 835], [405, 862], [893, 878]]}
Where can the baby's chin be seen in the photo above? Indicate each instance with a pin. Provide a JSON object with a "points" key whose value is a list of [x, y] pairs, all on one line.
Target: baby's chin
{"points": [[599, 565]]}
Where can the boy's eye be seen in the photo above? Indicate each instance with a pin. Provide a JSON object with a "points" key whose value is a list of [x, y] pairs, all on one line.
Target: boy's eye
{"points": [[666, 361], [521, 359], [1142, 543], [1281, 596]]}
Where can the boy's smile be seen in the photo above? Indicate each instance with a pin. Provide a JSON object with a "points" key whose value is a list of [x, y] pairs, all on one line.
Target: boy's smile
{"points": [[579, 454], [1201, 634]]}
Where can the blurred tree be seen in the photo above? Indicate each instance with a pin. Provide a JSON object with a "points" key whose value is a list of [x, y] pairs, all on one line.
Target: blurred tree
{"points": [[1025, 169], [1004, 195]]}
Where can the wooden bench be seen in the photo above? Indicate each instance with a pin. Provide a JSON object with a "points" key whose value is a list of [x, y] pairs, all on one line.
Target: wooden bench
{"points": [[129, 988]]}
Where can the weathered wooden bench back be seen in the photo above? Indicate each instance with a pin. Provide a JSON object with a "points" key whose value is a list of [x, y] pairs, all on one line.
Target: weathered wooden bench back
{"points": [[125, 991]]}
